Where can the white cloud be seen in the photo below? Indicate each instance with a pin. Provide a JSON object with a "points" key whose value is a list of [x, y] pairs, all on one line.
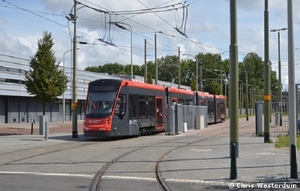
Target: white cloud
{"points": [[208, 29]]}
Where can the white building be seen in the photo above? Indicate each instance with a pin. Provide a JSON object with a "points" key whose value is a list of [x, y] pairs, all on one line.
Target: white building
{"points": [[17, 106]]}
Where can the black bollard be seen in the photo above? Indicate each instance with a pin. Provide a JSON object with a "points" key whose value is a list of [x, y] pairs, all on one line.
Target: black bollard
{"points": [[233, 170], [31, 132], [294, 168]]}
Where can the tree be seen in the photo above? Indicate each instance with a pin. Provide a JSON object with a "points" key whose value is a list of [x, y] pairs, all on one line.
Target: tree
{"points": [[149, 78], [193, 84], [45, 80]]}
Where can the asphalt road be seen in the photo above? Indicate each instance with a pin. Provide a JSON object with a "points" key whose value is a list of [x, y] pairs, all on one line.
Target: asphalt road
{"points": [[30, 163]]}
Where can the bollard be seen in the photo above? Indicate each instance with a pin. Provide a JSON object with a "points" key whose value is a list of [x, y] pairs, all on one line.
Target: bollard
{"points": [[294, 171], [46, 130], [233, 170], [32, 122], [31, 132]]}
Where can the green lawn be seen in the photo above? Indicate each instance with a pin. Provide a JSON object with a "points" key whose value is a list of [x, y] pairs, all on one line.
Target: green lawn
{"points": [[283, 141]]}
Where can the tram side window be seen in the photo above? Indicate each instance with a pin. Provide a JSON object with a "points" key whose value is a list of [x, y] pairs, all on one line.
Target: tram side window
{"points": [[189, 102], [142, 106], [133, 106], [222, 107], [181, 101], [210, 107], [151, 108], [121, 105]]}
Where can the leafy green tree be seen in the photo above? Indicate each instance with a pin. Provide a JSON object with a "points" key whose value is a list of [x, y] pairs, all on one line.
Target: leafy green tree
{"points": [[193, 84], [45, 80], [93, 69], [212, 87], [168, 68], [112, 68], [149, 78]]}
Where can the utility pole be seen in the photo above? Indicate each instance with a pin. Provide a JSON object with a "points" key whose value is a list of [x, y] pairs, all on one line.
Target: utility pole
{"points": [[292, 93], [267, 79], [201, 86], [179, 72], [233, 97], [197, 74], [155, 57], [247, 96], [145, 72], [74, 102], [241, 96]]}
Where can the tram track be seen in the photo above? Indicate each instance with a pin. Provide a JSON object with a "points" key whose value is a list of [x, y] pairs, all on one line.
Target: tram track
{"points": [[122, 151], [209, 133]]}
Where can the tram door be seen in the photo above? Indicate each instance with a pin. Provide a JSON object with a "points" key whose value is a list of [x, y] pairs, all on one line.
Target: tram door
{"points": [[218, 112], [159, 113]]}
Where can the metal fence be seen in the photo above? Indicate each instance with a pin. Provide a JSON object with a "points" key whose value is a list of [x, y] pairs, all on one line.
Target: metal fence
{"points": [[279, 124], [184, 117], [280, 111], [279, 114]]}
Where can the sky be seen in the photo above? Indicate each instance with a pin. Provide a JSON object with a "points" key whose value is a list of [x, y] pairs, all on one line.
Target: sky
{"points": [[193, 25]]}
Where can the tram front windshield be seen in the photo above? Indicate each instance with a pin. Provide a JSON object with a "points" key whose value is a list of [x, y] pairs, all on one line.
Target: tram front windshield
{"points": [[100, 104]]}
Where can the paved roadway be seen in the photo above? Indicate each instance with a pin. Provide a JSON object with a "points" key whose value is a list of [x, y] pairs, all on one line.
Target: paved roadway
{"points": [[199, 160]]}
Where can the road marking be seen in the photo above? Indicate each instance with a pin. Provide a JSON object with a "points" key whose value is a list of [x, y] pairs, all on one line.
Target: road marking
{"points": [[48, 174], [129, 178], [265, 153], [206, 182], [201, 150]]}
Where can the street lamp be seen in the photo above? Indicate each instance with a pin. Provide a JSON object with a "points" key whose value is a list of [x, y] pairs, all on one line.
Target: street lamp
{"points": [[251, 99], [197, 72], [247, 101], [279, 72], [122, 27], [241, 96], [64, 101]]}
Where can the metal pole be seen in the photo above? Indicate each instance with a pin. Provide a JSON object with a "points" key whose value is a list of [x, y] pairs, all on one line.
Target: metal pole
{"points": [[233, 98], [156, 64], [240, 100], [145, 72], [242, 95], [267, 79], [225, 84], [201, 86], [251, 98], [292, 93], [74, 102], [179, 72], [197, 74], [279, 75], [247, 100], [279, 80], [131, 64], [221, 82]]}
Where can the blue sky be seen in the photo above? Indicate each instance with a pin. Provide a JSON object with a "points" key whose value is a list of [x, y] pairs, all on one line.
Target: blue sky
{"points": [[208, 29]]}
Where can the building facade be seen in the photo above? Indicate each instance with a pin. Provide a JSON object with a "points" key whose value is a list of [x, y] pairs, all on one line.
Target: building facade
{"points": [[17, 106]]}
